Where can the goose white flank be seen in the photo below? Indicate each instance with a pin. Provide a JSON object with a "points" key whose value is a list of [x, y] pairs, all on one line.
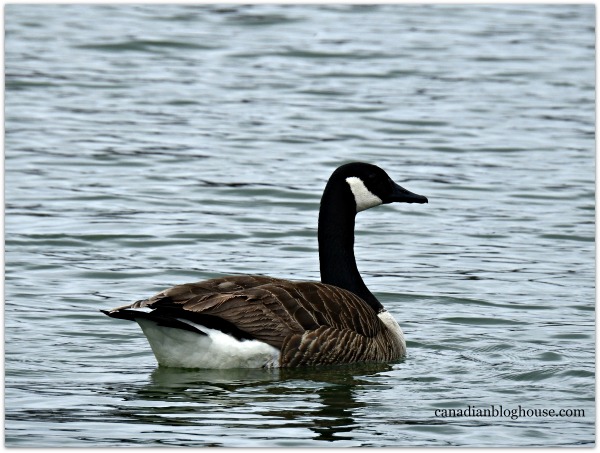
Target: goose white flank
{"points": [[254, 321]]}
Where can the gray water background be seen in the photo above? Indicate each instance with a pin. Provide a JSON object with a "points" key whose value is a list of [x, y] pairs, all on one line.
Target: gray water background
{"points": [[151, 145]]}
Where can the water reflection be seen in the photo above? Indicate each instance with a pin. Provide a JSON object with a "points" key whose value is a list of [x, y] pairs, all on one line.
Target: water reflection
{"points": [[337, 395], [322, 400]]}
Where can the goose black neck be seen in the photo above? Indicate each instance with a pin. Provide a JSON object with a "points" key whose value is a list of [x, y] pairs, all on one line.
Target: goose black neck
{"points": [[336, 243]]}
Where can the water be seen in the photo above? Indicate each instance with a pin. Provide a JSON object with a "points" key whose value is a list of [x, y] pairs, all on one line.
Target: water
{"points": [[153, 145]]}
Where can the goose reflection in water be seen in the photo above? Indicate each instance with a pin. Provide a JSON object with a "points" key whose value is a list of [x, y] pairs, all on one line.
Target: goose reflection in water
{"points": [[312, 405]]}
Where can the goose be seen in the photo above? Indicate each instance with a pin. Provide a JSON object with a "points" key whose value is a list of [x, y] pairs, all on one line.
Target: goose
{"points": [[254, 321]]}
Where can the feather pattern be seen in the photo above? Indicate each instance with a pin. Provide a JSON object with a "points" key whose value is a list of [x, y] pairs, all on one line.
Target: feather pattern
{"points": [[310, 323]]}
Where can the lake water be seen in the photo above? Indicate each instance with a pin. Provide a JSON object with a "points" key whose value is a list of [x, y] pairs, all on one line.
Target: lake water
{"points": [[151, 145]]}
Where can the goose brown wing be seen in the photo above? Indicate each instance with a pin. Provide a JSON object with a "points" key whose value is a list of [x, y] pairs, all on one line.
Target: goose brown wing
{"points": [[322, 347], [267, 309]]}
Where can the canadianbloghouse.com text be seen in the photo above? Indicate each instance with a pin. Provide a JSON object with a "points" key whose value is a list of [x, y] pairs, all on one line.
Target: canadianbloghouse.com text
{"points": [[505, 412]]}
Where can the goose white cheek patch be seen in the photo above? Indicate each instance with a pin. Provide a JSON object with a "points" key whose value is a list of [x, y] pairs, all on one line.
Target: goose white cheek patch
{"points": [[365, 199]]}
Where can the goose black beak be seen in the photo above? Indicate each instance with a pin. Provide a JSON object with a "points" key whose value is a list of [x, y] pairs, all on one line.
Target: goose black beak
{"points": [[400, 194]]}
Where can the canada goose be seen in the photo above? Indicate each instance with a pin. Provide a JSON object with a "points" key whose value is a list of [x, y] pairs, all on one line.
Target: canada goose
{"points": [[253, 321]]}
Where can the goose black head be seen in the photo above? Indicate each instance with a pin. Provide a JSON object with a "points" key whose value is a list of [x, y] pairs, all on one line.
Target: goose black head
{"points": [[371, 186]]}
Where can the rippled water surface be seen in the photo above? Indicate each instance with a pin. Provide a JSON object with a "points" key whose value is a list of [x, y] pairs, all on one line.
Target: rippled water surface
{"points": [[153, 145]]}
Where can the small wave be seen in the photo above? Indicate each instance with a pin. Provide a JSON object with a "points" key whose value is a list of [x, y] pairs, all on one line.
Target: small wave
{"points": [[482, 321], [143, 46]]}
